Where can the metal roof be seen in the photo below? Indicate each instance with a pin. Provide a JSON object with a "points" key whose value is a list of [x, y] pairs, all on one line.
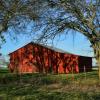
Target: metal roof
{"points": [[53, 48], [49, 47]]}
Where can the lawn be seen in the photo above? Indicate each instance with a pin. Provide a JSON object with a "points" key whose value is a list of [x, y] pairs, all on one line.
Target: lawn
{"points": [[83, 86]]}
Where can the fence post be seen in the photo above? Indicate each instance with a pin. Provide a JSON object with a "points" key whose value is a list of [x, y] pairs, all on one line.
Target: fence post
{"points": [[72, 72], [85, 72]]}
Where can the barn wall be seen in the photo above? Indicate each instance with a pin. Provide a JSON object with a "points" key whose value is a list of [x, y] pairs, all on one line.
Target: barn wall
{"points": [[85, 64], [36, 58]]}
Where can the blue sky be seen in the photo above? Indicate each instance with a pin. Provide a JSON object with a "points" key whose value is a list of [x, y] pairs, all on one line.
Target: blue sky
{"points": [[79, 45]]}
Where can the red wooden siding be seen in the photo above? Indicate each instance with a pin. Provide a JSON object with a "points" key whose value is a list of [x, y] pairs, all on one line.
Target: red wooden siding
{"points": [[37, 58]]}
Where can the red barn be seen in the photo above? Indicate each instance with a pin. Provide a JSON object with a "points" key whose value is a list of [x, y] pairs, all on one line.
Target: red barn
{"points": [[45, 59]]}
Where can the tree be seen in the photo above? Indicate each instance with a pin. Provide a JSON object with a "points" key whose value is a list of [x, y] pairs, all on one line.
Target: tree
{"points": [[79, 15], [56, 17], [16, 14]]}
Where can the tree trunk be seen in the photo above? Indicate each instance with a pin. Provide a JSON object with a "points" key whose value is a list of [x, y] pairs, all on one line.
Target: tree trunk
{"points": [[98, 62], [99, 67], [97, 56]]}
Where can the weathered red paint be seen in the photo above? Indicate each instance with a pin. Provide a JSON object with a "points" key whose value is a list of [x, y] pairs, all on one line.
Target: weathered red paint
{"points": [[37, 58]]}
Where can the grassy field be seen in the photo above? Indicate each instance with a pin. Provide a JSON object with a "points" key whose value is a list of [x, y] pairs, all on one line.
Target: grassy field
{"points": [[49, 87]]}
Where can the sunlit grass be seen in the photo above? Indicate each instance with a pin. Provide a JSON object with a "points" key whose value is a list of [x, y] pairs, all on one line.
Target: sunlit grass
{"points": [[49, 87]]}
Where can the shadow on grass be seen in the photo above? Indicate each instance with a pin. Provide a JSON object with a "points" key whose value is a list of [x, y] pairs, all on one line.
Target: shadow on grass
{"points": [[41, 95], [29, 88]]}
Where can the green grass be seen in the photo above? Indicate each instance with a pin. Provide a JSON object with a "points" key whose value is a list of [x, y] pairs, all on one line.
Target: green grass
{"points": [[49, 87]]}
